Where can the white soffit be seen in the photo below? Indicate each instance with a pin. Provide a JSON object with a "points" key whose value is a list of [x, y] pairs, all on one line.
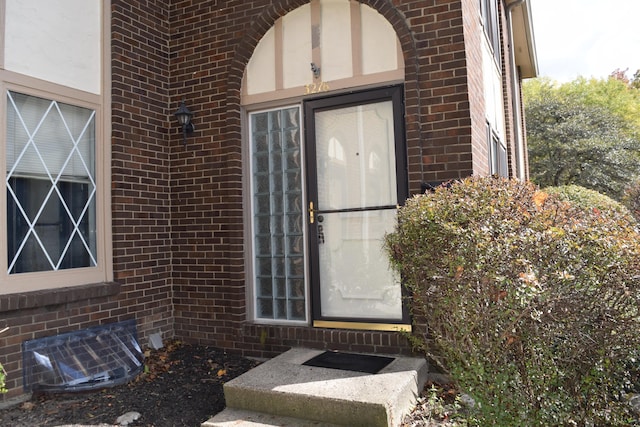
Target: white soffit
{"points": [[524, 41]]}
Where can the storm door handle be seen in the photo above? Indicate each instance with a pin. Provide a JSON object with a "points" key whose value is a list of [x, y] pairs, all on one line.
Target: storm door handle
{"points": [[312, 213]]}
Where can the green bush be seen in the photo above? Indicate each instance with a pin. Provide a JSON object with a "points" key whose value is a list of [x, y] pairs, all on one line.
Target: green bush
{"points": [[530, 302], [586, 198], [3, 374]]}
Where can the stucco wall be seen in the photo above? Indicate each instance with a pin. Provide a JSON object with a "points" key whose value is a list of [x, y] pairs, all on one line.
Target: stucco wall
{"points": [[66, 50]]}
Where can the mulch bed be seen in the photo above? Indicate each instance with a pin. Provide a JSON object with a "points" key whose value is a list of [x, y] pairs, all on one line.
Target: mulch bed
{"points": [[181, 386]]}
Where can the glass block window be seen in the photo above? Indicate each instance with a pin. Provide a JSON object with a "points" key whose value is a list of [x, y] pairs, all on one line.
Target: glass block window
{"points": [[278, 222], [51, 186]]}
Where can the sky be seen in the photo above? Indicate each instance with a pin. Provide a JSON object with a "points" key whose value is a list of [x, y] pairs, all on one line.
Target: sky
{"points": [[589, 38]]}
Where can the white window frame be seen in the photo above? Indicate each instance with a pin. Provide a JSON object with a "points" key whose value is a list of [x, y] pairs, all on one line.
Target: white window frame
{"points": [[101, 104], [490, 20], [498, 163], [102, 272], [249, 220]]}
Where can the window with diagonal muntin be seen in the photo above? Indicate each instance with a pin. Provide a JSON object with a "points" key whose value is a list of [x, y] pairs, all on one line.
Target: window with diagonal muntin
{"points": [[51, 185]]}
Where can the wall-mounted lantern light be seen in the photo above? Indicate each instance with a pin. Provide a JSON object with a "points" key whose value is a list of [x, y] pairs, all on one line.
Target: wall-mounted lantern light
{"points": [[184, 119]]}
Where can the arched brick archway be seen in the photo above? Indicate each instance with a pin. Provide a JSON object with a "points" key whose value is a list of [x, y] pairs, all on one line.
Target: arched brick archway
{"points": [[413, 101], [245, 48]]}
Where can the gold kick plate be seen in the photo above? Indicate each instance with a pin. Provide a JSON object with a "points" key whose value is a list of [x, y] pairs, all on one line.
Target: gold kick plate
{"points": [[362, 326]]}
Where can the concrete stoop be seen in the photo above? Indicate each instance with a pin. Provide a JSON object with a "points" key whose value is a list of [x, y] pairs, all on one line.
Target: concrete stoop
{"points": [[284, 392]]}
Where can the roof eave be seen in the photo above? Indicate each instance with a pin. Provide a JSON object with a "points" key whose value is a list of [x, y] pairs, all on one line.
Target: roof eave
{"points": [[523, 40]]}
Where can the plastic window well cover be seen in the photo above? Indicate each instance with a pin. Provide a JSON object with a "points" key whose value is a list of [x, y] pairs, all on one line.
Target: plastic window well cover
{"points": [[101, 356]]}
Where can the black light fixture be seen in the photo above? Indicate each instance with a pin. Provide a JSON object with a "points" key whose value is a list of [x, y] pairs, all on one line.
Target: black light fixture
{"points": [[184, 119]]}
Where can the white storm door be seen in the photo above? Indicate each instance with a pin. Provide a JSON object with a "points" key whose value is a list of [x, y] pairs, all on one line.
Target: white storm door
{"points": [[356, 179]]}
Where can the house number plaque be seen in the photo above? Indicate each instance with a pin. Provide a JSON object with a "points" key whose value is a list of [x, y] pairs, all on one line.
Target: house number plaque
{"points": [[316, 88]]}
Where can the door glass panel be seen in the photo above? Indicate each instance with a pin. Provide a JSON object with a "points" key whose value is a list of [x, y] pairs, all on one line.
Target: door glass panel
{"points": [[357, 281], [278, 215], [357, 197], [356, 157]]}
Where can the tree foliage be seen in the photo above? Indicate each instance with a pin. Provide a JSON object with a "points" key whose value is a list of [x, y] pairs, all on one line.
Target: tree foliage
{"points": [[633, 81], [585, 132]]}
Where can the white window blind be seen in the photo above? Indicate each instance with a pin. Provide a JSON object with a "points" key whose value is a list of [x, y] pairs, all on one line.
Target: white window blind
{"points": [[47, 138], [50, 182]]}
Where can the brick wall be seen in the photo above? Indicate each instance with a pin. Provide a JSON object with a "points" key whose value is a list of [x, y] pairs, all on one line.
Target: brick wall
{"points": [[210, 46], [140, 167], [140, 203], [207, 200], [507, 92], [474, 35], [43, 313], [178, 218], [443, 81]]}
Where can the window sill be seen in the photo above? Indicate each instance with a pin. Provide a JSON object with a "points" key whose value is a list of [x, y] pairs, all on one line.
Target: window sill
{"points": [[58, 296]]}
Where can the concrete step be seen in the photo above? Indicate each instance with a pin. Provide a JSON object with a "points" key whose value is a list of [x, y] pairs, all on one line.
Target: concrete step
{"points": [[284, 387], [231, 417]]}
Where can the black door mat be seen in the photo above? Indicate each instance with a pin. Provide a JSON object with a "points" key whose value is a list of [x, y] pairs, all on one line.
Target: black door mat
{"points": [[349, 362]]}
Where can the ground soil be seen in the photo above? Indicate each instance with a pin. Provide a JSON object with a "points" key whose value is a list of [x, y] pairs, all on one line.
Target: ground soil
{"points": [[181, 386]]}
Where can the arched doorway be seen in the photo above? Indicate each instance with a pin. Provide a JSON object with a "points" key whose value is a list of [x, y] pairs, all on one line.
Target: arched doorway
{"points": [[325, 138]]}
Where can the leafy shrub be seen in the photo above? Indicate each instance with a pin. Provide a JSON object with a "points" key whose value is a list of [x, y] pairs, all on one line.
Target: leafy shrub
{"points": [[586, 198], [3, 374], [530, 302]]}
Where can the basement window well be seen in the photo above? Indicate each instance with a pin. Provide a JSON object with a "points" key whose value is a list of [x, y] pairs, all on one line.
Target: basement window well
{"points": [[97, 357]]}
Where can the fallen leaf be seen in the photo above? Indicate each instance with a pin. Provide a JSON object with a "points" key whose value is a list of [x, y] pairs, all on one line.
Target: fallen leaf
{"points": [[222, 372], [511, 339], [28, 406]]}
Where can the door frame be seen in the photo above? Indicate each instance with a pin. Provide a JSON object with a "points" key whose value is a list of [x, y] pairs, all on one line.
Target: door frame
{"points": [[310, 107]]}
